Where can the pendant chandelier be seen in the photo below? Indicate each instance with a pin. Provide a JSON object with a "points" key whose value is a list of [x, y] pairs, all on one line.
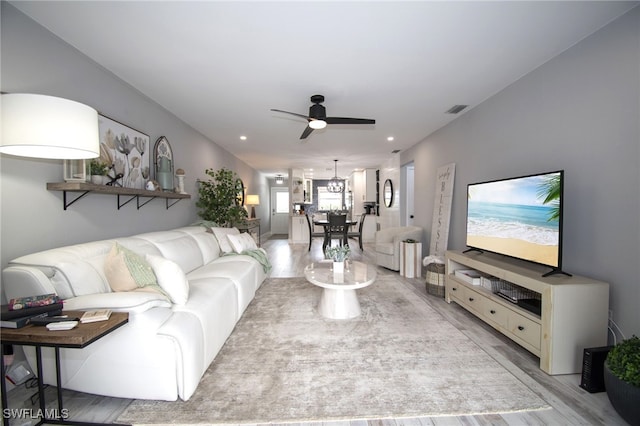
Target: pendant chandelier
{"points": [[336, 184]]}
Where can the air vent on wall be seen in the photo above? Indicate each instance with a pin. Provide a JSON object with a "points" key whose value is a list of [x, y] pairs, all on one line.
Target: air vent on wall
{"points": [[395, 151], [456, 109]]}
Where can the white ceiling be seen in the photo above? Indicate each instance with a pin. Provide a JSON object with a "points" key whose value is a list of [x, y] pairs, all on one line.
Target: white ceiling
{"points": [[221, 66]]}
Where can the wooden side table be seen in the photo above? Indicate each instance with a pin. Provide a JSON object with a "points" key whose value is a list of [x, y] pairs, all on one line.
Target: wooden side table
{"points": [[252, 227], [38, 336]]}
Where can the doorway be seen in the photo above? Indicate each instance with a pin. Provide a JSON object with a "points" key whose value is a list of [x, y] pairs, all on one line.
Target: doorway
{"points": [[280, 208], [407, 185]]}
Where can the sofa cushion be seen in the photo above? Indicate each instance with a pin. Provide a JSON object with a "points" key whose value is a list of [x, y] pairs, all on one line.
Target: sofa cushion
{"points": [[221, 235], [386, 248], [127, 301], [128, 271], [242, 242], [170, 277]]}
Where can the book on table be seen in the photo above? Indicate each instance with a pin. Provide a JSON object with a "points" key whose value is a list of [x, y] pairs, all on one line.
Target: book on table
{"points": [[28, 319], [8, 314], [33, 301], [95, 315]]}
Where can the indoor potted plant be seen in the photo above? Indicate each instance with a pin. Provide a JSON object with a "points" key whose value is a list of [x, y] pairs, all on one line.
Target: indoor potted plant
{"points": [[622, 379], [338, 254], [98, 170], [218, 198]]}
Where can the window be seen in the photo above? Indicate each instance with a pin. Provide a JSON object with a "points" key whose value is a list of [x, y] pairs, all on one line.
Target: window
{"points": [[329, 200], [282, 202]]}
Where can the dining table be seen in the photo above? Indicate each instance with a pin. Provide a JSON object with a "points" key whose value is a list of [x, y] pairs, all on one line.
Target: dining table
{"points": [[325, 225]]}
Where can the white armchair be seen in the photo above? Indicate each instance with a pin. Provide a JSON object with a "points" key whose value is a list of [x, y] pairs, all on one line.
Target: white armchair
{"points": [[387, 244]]}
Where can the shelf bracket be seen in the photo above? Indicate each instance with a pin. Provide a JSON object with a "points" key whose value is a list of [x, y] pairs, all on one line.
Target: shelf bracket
{"points": [[144, 203], [126, 202], [171, 204], [67, 204]]}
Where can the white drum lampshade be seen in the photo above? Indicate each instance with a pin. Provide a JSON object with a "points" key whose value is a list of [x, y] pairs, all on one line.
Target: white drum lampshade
{"points": [[43, 126], [253, 200]]}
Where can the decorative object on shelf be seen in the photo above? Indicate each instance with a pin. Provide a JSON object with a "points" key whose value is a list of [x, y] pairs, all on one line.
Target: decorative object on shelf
{"points": [[43, 126], [163, 163], [240, 192], [622, 379], [388, 193], [253, 200], [128, 150], [180, 179], [76, 170], [98, 171], [335, 184], [297, 186], [279, 180], [218, 198], [153, 185]]}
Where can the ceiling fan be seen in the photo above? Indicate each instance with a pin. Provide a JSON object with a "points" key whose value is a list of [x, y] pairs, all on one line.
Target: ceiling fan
{"points": [[317, 118]]}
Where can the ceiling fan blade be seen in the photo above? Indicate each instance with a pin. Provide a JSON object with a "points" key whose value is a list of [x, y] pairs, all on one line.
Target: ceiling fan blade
{"points": [[306, 132], [291, 113], [346, 120]]}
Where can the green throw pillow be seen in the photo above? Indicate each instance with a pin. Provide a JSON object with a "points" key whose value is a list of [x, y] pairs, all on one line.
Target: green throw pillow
{"points": [[128, 271]]}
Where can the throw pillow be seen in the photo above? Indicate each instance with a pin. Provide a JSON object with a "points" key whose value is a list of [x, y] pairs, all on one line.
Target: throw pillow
{"points": [[242, 242], [128, 271], [248, 241], [170, 277], [223, 241]]}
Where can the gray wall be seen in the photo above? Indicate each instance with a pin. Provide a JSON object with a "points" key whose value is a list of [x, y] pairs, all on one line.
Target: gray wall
{"points": [[32, 218], [579, 112]]}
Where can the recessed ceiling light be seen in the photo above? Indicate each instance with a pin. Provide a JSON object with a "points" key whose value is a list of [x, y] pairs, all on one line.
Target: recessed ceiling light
{"points": [[390, 138], [243, 138]]}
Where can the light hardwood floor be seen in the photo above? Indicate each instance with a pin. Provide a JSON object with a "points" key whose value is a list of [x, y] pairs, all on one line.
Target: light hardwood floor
{"points": [[571, 405]]}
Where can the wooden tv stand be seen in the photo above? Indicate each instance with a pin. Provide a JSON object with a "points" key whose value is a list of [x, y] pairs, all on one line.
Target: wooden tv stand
{"points": [[574, 309]]}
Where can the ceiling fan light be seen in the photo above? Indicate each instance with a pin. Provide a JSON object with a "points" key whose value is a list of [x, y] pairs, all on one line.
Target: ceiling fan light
{"points": [[317, 124]]}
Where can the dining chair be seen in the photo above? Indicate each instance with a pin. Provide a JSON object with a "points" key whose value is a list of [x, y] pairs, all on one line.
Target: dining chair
{"points": [[312, 233], [358, 234], [338, 228]]}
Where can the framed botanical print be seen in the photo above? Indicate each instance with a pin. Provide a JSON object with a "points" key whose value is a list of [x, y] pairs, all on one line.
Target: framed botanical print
{"points": [[126, 151]]}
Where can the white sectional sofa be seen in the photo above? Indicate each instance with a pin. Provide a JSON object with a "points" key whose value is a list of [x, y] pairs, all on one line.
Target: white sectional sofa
{"points": [[167, 344]]}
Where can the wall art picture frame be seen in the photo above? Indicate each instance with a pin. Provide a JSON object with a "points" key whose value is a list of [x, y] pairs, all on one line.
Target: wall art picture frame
{"points": [[126, 151]]}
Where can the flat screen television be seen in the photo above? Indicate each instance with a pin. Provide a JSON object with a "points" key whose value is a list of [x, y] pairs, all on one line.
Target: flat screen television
{"points": [[520, 217]]}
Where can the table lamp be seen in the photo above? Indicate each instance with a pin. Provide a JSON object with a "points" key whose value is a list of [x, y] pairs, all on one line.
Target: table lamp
{"points": [[42, 126], [253, 200]]}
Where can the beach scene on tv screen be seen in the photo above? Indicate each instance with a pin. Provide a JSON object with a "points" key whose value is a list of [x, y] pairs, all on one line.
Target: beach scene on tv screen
{"points": [[517, 217]]}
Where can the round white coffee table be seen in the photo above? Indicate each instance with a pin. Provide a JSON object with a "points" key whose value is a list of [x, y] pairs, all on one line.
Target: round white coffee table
{"points": [[339, 299]]}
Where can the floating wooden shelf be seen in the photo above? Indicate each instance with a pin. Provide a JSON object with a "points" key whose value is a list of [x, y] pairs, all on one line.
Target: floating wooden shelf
{"points": [[131, 193]]}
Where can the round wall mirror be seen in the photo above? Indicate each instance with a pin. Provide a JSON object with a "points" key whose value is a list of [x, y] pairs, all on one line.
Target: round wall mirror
{"points": [[388, 193], [240, 192]]}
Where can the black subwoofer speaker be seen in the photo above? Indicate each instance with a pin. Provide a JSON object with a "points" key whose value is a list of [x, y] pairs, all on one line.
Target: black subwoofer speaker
{"points": [[593, 369]]}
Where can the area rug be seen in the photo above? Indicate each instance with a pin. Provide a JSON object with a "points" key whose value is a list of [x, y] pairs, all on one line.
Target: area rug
{"points": [[286, 363]]}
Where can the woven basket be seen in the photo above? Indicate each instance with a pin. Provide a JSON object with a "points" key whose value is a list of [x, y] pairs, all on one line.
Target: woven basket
{"points": [[435, 279]]}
